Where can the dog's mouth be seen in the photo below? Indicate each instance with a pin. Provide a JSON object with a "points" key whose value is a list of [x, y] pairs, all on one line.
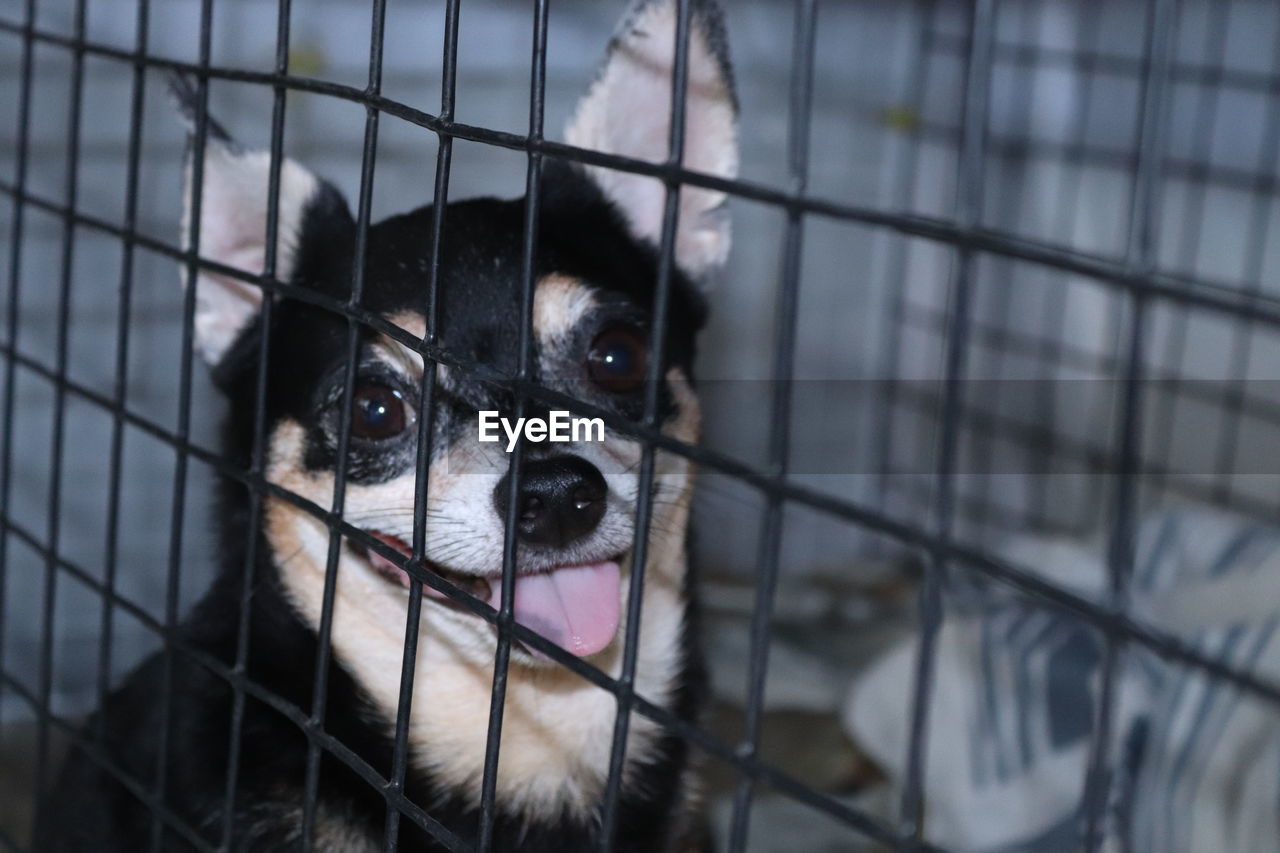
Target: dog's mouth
{"points": [[574, 606]]}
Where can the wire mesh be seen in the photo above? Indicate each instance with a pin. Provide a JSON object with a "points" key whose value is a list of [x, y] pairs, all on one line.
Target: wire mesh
{"points": [[1138, 278]]}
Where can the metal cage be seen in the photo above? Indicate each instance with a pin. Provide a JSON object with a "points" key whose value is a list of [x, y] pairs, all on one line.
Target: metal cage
{"points": [[1060, 344]]}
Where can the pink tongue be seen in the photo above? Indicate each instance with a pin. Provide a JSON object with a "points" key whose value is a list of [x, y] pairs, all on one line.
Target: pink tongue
{"points": [[575, 607]]}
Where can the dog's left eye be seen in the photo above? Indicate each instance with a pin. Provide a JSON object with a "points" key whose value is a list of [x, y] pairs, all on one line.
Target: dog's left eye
{"points": [[377, 411], [618, 360]]}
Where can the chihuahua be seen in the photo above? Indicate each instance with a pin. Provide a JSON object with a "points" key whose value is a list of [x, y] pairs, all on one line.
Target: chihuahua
{"points": [[595, 263]]}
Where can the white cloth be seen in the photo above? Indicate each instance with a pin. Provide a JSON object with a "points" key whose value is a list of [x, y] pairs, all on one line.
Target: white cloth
{"points": [[1195, 762]]}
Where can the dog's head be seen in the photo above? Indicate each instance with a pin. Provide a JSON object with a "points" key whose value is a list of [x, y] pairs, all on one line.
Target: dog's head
{"points": [[595, 268]]}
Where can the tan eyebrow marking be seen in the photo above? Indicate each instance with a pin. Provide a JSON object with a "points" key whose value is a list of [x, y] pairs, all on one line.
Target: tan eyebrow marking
{"points": [[408, 361], [559, 302]]}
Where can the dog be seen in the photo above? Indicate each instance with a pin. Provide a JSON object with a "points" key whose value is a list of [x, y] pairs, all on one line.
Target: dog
{"points": [[596, 262]]}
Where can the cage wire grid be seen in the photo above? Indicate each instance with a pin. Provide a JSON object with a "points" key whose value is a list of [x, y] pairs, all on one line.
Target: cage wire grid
{"points": [[1000, 338], [1135, 278]]}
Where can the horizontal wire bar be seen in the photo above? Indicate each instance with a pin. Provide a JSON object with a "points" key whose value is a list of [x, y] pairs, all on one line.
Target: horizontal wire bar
{"points": [[1013, 341], [1163, 643], [1076, 153], [1214, 295], [1041, 56], [1026, 435], [702, 456]]}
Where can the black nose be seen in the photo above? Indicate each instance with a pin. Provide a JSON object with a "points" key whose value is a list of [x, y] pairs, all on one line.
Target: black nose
{"points": [[561, 499]]}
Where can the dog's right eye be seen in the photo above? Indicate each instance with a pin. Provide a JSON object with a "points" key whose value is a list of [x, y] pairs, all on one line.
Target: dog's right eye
{"points": [[377, 411]]}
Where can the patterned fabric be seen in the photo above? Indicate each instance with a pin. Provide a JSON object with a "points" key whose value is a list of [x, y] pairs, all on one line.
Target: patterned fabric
{"points": [[1195, 763]]}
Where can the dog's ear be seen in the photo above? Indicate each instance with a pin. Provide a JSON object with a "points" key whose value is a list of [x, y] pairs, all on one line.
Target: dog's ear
{"points": [[628, 112], [234, 186]]}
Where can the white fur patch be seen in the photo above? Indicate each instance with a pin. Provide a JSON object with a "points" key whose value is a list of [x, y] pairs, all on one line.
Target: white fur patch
{"points": [[628, 112], [233, 231]]}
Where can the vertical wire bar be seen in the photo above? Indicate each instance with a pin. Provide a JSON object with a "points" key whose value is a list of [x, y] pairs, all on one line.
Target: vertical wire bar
{"points": [[444, 161], [904, 194], [528, 261], [1120, 561], [1050, 352], [653, 380], [968, 213], [1260, 218], [1140, 257], [324, 646], [983, 516], [54, 529], [1164, 420], [14, 300], [769, 546], [183, 427], [257, 452], [121, 391]]}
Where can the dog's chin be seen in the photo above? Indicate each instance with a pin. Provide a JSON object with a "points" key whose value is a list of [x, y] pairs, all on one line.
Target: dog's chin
{"points": [[576, 606]]}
